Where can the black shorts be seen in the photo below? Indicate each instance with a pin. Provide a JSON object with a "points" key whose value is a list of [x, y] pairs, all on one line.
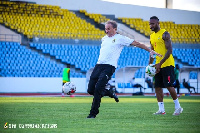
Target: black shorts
{"points": [[165, 78]]}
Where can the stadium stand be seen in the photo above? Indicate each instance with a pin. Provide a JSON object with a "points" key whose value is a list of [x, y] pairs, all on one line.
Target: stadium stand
{"points": [[99, 18], [46, 21], [190, 56], [28, 63], [85, 56], [18, 61], [193, 75], [180, 33]]}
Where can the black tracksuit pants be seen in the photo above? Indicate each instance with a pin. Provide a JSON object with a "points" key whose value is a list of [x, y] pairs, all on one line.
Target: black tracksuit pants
{"points": [[100, 76]]}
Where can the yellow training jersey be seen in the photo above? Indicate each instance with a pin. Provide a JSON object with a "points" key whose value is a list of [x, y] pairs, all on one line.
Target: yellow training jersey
{"points": [[159, 46]]}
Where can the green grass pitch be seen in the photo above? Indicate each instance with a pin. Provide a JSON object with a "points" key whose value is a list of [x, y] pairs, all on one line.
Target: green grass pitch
{"points": [[68, 115]]}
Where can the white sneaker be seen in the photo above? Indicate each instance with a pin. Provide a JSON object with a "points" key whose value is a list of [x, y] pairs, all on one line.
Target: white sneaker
{"points": [[159, 113], [178, 111]]}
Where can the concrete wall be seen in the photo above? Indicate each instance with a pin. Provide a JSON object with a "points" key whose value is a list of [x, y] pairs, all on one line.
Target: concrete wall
{"points": [[8, 35], [34, 85], [54, 85], [124, 10]]}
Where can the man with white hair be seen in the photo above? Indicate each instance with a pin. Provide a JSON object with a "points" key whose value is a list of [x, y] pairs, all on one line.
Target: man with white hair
{"points": [[111, 47]]}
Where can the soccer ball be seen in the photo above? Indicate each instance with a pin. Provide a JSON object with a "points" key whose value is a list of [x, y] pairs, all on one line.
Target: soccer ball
{"points": [[151, 70], [69, 88]]}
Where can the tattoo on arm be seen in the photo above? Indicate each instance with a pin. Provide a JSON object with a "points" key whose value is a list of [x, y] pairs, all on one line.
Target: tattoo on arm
{"points": [[168, 46]]}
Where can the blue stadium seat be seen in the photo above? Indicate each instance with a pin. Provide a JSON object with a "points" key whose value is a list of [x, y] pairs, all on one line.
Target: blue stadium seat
{"points": [[82, 56]]}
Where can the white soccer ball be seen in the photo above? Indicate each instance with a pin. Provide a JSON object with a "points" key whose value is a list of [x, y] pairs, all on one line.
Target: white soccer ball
{"points": [[151, 70], [69, 88]]}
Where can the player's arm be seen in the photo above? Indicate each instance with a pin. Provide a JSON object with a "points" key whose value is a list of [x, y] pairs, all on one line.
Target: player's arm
{"points": [[151, 59], [168, 46], [142, 46]]}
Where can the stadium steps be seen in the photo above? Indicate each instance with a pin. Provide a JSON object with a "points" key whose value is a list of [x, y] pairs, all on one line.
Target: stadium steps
{"points": [[23, 39], [123, 29], [9, 34], [131, 33], [91, 21], [138, 32], [25, 42], [58, 61], [46, 55]]}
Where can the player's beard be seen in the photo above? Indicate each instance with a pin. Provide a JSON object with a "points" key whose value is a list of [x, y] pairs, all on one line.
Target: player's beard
{"points": [[156, 28]]}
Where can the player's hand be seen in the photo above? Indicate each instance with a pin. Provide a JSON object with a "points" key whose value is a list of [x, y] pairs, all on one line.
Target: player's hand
{"points": [[158, 66], [152, 53]]}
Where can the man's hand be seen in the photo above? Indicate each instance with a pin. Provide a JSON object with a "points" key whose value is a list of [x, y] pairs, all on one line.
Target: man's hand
{"points": [[152, 53], [158, 66]]}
